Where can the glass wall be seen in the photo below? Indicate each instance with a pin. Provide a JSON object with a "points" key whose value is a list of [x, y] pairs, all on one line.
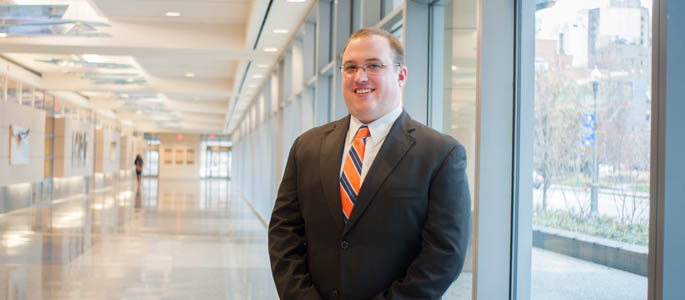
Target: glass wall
{"points": [[39, 99], [459, 103], [215, 156], [151, 166], [12, 90], [591, 149], [586, 156], [27, 95], [53, 184]]}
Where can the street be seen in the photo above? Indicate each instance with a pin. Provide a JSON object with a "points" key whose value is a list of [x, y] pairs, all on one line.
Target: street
{"points": [[611, 203]]}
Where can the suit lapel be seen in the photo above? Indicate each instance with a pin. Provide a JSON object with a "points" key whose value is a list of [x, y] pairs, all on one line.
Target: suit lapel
{"points": [[396, 145], [332, 146]]}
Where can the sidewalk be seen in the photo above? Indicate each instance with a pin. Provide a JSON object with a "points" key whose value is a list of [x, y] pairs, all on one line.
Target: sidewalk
{"points": [[559, 277]]}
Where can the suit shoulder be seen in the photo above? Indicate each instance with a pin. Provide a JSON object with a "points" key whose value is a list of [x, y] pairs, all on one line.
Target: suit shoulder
{"points": [[433, 137], [316, 133]]}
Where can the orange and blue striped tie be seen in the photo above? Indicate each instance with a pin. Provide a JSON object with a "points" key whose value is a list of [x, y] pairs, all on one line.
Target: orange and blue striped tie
{"points": [[350, 180]]}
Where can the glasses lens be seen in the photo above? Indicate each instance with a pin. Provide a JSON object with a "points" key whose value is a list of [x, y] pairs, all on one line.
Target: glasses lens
{"points": [[350, 69], [373, 68]]}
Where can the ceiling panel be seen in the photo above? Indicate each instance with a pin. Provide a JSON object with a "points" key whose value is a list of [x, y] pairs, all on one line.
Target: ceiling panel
{"points": [[178, 66], [202, 11]]}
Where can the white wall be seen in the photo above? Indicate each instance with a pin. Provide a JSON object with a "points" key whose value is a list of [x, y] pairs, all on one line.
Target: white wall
{"points": [[64, 131], [174, 170], [106, 157], [127, 155], [21, 115]]}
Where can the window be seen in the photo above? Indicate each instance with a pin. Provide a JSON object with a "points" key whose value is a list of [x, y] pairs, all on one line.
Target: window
{"points": [[13, 90], [27, 95], [151, 166], [40, 99], [387, 6], [459, 104], [215, 157], [591, 150]]}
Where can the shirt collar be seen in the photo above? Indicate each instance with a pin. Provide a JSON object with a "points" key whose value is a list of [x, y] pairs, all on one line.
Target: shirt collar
{"points": [[378, 128]]}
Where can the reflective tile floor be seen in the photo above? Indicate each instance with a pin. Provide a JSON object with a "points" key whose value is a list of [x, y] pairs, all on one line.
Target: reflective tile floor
{"points": [[166, 240]]}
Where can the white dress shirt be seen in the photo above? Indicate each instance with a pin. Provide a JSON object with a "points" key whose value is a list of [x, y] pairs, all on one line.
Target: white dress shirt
{"points": [[378, 131]]}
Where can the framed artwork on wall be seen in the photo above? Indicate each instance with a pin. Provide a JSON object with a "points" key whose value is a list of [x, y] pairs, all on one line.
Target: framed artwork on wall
{"points": [[79, 149], [20, 145], [168, 156], [190, 156], [180, 156]]}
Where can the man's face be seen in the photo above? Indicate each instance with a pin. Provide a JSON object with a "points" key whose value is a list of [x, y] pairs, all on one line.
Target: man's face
{"points": [[370, 95]]}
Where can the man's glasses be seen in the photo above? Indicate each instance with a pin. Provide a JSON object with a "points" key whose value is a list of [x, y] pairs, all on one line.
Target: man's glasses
{"points": [[369, 68]]}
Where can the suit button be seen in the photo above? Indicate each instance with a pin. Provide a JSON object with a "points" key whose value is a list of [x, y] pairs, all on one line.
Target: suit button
{"points": [[335, 294], [344, 245]]}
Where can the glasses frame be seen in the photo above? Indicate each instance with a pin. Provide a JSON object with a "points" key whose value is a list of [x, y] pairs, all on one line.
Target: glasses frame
{"points": [[363, 67]]}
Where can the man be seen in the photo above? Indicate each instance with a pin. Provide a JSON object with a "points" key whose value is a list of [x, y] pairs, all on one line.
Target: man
{"points": [[374, 205]]}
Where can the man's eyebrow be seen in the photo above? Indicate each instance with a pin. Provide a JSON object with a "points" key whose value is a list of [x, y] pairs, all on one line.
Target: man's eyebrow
{"points": [[366, 60]]}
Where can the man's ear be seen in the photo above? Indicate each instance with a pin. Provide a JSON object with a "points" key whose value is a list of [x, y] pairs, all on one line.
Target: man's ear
{"points": [[402, 75]]}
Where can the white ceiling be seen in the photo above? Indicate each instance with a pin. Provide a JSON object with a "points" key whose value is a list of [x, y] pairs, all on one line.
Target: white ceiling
{"points": [[212, 39], [207, 11]]}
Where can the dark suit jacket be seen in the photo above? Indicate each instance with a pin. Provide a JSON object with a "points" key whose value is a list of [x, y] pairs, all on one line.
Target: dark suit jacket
{"points": [[407, 234]]}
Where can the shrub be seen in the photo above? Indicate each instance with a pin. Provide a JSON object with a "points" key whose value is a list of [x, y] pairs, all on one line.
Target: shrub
{"points": [[604, 227]]}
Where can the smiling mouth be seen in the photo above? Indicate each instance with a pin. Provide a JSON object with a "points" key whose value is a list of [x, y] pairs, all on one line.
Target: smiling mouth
{"points": [[363, 91]]}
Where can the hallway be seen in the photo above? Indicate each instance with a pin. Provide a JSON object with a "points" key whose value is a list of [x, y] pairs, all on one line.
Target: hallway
{"points": [[172, 240]]}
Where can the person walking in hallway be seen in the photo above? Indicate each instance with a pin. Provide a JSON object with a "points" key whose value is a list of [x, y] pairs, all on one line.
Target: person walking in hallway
{"points": [[374, 205], [139, 167]]}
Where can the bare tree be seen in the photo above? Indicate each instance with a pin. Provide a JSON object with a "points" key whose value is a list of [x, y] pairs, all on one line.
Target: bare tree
{"points": [[626, 152], [558, 125]]}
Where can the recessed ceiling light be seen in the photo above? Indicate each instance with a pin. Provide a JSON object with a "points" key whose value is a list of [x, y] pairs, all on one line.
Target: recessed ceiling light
{"points": [[129, 79], [257, 76], [140, 112], [124, 95], [93, 58], [173, 14], [280, 30], [2, 34], [262, 66], [190, 74], [270, 49]]}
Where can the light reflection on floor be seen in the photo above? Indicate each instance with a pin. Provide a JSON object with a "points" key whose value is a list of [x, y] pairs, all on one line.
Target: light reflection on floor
{"points": [[168, 240]]}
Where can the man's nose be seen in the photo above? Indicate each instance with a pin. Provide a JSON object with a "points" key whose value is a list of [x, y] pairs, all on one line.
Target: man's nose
{"points": [[361, 75]]}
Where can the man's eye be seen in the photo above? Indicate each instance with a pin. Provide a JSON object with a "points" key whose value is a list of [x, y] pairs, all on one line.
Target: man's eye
{"points": [[350, 68], [374, 67]]}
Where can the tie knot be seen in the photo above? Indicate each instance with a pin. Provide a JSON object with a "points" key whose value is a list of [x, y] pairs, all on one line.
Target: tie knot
{"points": [[363, 132]]}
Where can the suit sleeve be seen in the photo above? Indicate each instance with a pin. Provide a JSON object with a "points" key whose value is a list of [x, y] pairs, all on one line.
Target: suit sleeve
{"points": [[444, 236], [287, 249]]}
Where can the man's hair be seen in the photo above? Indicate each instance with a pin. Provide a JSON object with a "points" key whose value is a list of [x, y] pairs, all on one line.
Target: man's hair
{"points": [[395, 45]]}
